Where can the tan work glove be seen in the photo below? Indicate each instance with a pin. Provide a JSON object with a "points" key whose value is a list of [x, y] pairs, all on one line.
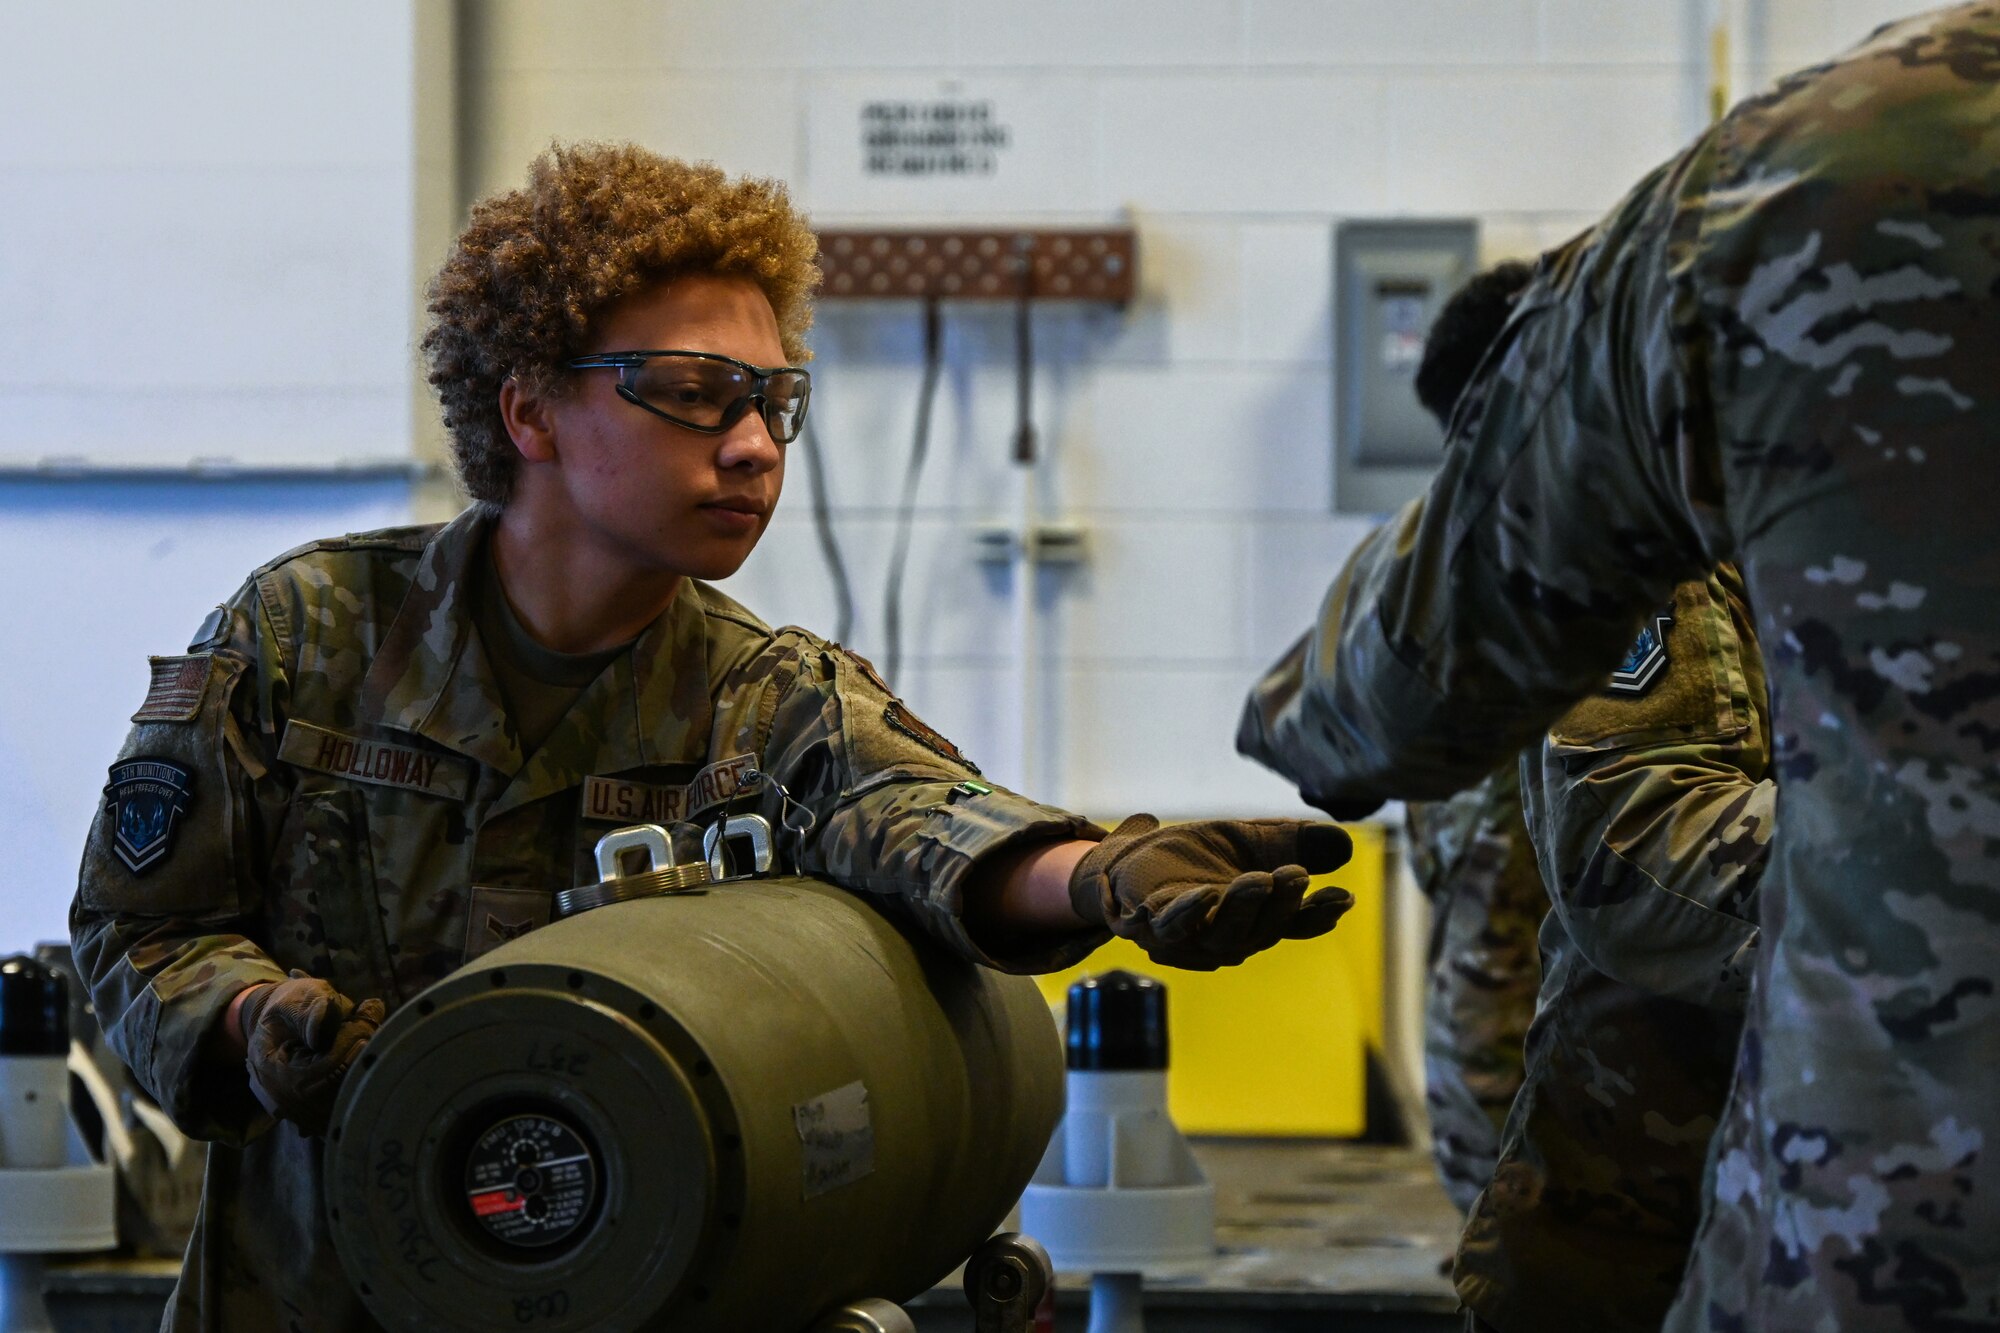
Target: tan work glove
{"points": [[1210, 893], [303, 1035]]}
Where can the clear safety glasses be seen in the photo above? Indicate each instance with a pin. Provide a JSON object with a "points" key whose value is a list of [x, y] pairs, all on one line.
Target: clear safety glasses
{"points": [[706, 392]]}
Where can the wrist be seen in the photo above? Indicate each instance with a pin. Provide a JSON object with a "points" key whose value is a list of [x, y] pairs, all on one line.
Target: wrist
{"points": [[1037, 896], [1089, 889], [1025, 894], [242, 1013]]}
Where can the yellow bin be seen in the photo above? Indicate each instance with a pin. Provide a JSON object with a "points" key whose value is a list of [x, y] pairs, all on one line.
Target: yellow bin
{"points": [[1277, 1046]]}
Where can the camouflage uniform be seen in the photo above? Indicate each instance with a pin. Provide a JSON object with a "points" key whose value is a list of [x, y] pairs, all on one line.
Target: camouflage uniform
{"points": [[1474, 863], [1779, 349], [1651, 810], [356, 805], [1472, 859]]}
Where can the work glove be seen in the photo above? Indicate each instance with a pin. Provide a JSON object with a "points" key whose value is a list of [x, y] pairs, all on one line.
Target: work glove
{"points": [[303, 1036], [1347, 810], [1210, 893]]}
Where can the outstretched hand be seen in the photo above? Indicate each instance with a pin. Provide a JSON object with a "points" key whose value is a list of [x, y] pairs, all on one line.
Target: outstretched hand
{"points": [[1210, 893]]}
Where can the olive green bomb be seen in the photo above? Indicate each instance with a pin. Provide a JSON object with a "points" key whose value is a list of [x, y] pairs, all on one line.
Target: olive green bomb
{"points": [[735, 1108]]}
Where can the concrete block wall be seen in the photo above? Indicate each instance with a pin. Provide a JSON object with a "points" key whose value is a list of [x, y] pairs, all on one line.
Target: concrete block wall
{"points": [[220, 213], [1191, 434], [207, 253], [99, 575], [208, 234]]}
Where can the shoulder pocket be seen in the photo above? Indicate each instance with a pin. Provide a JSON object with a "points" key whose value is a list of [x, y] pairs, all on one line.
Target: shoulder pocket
{"points": [[881, 732], [168, 830], [1697, 692]]}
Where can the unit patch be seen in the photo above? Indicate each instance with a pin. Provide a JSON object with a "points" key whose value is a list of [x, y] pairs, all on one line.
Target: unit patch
{"points": [[176, 690], [902, 719], [616, 800], [146, 798], [380, 762], [1646, 661]]}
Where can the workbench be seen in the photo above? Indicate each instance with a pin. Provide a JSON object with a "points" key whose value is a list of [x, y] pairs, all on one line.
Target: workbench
{"points": [[1312, 1235]]}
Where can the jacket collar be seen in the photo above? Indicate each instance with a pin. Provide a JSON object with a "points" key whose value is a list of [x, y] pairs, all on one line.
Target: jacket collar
{"points": [[431, 676], [650, 706]]}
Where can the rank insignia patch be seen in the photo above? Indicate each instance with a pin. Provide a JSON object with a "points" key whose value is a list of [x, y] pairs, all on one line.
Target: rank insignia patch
{"points": [[176, 690], [146, 798], [500, 915], [867, 668], [902, 719], [1645, 661]]}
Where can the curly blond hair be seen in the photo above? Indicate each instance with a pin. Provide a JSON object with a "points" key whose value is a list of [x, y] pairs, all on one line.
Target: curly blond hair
{"points": [[535, 267]]}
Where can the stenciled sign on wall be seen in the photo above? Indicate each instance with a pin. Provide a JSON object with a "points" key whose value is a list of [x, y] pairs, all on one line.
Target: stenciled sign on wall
{"points": [[939, 136], [912, 144]]}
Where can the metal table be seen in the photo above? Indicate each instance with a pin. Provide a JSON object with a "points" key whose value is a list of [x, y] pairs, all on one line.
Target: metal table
{"points": [[1331, 1237]]}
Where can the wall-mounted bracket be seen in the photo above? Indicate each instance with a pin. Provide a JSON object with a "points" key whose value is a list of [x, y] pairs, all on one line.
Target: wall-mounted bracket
{"points": [[1048, 543], [993, 265]]}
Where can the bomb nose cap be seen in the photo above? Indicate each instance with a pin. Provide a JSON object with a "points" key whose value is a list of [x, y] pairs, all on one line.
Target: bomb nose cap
{"points": [[1117, 1021], [34, 1008]]}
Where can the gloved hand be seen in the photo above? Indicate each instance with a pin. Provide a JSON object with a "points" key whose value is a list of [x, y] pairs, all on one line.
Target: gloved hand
{"points": [[1347, 811], [303, 1035], [1210, 893]]}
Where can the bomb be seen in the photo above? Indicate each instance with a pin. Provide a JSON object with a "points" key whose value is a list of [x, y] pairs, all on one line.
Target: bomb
{"points": [[743, 1106]]}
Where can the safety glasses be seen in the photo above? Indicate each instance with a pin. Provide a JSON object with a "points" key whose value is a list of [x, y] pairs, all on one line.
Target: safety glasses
{"points": [[706, 392]]}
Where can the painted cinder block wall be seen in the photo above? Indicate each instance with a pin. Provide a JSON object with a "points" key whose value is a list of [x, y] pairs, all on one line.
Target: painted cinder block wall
{"points": [[1190, 435], [221, 213]]}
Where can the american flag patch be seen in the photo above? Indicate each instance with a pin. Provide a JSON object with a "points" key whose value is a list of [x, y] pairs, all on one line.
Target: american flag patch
{"points": [[177, 689]]}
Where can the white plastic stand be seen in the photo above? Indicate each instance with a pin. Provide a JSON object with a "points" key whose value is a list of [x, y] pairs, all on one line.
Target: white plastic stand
{"points": [[1119, 1195], [54, 1196]]}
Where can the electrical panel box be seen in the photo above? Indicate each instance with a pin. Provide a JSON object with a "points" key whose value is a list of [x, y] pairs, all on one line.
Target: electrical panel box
{"points": [[1390, 280]]}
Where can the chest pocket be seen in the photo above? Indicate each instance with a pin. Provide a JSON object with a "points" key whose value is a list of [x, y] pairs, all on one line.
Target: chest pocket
{"points": [[326, 911]]}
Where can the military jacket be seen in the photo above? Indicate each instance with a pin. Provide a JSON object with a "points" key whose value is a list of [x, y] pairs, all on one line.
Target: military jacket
{"points": [[1471, 858], [1777, 350], [1651, 810], [1476, 866], [327, 780]]}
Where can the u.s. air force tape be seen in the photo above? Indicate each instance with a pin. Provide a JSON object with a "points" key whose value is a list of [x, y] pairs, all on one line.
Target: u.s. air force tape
{"points": [[621, 801], [381, 762]]}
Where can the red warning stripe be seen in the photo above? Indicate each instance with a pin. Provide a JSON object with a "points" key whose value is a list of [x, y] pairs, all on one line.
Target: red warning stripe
{"points": [[497, 1201]]}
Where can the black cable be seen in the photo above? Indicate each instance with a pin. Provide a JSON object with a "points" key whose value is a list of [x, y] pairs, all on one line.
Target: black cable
{"points": [[829, 546], [1024, 362], [892, 597]]}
